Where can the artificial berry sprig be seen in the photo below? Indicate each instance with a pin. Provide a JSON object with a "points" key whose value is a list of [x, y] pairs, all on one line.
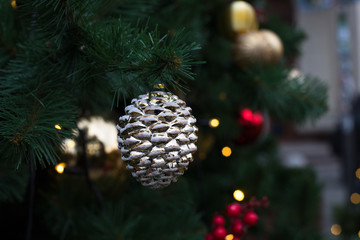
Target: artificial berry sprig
{"points": [[241, 216]]}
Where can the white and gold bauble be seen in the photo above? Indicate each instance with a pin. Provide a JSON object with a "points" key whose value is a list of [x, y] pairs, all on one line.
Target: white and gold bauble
{"points": [[157, 137]]}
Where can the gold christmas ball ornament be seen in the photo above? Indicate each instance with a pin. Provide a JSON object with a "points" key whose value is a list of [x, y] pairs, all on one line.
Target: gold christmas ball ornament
{"points": [[259, 47], [157, 137], [240, 17]]}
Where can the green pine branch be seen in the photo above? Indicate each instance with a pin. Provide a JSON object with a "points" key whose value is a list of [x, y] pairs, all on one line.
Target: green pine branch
{"points": [[134, 59], [32, 102], [288, 99], [68, 56]]}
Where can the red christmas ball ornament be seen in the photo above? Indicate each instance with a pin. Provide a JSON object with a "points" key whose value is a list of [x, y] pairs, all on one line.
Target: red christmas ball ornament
{"points": [[252, 124], [233, 210], [209, 236], [236, 238], [218, 220], [219, 233], [237, 228], [251, 218]]}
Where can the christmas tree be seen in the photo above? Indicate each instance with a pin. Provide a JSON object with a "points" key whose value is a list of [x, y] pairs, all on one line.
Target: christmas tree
{"points": [[65, 62]]}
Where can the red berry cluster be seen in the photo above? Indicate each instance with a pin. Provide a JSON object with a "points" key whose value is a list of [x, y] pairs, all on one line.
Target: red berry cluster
{"points": [[252, 125], [241, 217]]}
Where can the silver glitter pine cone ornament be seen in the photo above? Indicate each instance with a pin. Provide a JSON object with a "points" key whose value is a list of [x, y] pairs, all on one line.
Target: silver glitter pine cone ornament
{"points": [[157, 137]]}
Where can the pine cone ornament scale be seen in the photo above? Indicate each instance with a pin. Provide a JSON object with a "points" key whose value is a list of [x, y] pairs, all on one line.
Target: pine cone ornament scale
{"points": [[157, 137]]}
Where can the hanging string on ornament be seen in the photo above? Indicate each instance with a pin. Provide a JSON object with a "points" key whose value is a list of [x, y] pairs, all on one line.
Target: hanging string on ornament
{"points": [[157, 137]]}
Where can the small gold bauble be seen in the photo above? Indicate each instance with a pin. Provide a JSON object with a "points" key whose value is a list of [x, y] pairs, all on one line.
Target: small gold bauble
{"points": [[259, 47], [240, 17]]}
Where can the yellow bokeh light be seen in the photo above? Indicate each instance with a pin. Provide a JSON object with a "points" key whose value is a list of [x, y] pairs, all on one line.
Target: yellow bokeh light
{"points": [[214, 123], [239, 195], [336, 229], [229, 237], [70, 144], [222, 96], [359, 234], [60, 167], [226, 151], [57, 126], [13, 3], [355, 198], [357, 173], [202, 155]]}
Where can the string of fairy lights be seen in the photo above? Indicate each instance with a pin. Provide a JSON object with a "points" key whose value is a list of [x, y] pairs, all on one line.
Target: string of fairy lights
{"points": [[70, 144], [225, 151], [336, 229]]}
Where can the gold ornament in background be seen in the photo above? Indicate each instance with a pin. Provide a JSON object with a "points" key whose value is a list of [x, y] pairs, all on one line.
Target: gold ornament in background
{"points": [[259, 47], [157, 137], [242, 17]]}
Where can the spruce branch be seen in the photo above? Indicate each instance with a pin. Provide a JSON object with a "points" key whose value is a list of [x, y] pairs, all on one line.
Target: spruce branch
{"points": [[135, 55], [271, 89], [31, 125], [59, 18], [32, 102], [110, 224]]}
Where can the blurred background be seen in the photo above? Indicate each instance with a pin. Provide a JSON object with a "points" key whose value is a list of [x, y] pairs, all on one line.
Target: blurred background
{"points": [[330, 146]]}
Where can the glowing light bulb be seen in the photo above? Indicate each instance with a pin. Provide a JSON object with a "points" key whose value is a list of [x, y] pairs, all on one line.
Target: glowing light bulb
{"points": [[355, 198], [60, 167], [336, 229], [357, 173], [239, 195], [214, 123], [13, 3], [229, 237], [57, 126], [70, 144], [226, 151]]}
